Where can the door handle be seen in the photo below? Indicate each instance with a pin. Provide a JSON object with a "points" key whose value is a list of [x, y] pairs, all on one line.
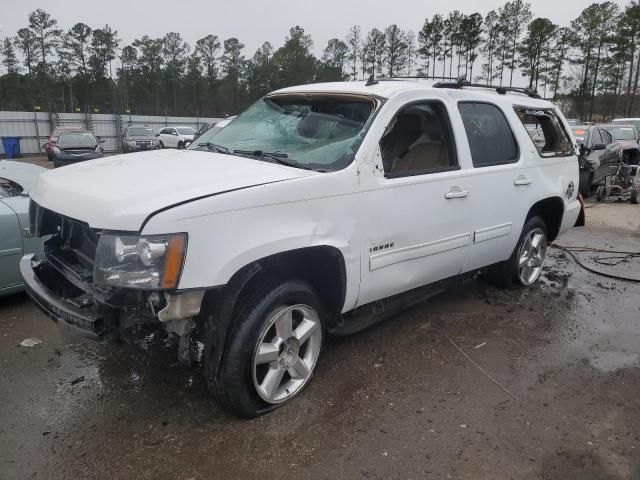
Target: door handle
{"points": [[456, 192], [522, 180]]}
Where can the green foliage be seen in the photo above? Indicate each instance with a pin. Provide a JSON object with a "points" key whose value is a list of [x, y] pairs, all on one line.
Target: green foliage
{"points": [[597, 54]]}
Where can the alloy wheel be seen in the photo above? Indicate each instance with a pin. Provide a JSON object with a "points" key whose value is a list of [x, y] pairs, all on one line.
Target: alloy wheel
{"points": [[531, 256], [286, 353]]}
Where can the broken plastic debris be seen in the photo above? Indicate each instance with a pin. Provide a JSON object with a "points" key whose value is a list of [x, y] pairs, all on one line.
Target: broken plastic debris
{"points": [[481, 345], [30, 342]]}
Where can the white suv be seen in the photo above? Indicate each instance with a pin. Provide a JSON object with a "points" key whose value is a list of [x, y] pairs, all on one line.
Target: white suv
{"points": [[176, 137], [321, 209]]}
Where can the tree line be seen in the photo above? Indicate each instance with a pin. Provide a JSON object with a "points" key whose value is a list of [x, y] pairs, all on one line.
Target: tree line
{"points": [[591, 65]]}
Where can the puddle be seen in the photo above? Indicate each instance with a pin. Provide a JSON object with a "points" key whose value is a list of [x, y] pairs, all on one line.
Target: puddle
{"points": [[610, 361]]}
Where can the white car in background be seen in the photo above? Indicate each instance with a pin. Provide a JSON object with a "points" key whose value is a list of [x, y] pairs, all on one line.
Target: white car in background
{"points": [[176, 137]]}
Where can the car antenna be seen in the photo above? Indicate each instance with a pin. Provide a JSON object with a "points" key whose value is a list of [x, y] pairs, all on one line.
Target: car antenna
{"points": [[371, 81]]}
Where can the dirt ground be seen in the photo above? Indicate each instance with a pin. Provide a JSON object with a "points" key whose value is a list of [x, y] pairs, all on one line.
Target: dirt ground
{"points": [[398, 401]]}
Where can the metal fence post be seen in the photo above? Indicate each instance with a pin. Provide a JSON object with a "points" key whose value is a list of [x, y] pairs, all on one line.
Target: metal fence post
{"points": [[35, 119]]}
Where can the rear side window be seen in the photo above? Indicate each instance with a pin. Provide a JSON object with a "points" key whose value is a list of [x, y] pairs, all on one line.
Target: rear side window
{"points": [[546, 131], [606, 137], [490, 138]]}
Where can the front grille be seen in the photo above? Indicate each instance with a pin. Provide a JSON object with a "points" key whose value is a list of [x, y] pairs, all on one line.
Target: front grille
{"points": [[78, 151], [72, 243]]}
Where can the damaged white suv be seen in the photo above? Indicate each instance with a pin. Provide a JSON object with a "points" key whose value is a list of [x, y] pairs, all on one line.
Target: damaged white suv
{"points": [[321, 209]]}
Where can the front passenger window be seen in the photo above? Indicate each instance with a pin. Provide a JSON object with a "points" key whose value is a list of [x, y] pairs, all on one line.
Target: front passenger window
{"points": [[418, 140]]}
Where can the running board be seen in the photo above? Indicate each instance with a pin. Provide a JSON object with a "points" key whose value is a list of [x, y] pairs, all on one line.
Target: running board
{"points": [[370, 314]]}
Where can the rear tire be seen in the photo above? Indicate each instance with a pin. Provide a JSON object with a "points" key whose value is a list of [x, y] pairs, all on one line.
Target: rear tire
{"points": [[275, 340], [635, 196], [586, 183], [529, 255]]}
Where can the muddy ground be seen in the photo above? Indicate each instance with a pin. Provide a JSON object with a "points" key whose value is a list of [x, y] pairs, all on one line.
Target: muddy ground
{"points": [[398, 401]]}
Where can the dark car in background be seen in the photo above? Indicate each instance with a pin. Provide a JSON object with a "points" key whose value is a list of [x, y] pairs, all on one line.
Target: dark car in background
{"points": [[53, 139], [139, 138], [627, 137], [598, 153], [76, 146]]}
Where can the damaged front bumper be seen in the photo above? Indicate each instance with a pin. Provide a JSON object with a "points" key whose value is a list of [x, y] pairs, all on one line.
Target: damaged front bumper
{"points": [[89, 312], [81, 316]]}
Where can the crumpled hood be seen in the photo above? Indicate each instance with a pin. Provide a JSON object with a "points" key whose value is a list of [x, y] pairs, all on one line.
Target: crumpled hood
{"points": [[24, 174], [121, 191]]}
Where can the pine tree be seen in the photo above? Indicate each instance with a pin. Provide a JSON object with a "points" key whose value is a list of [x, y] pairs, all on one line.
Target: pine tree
{"points": [[9, 60], [354, 42]]}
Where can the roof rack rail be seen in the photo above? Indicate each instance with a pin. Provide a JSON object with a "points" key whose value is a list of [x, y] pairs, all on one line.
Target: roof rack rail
{"points": [[461, 83], [416, 77]]}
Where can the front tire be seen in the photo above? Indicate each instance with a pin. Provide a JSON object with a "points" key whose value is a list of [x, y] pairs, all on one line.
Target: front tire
{"points": [[524, 267], [273, 349]]}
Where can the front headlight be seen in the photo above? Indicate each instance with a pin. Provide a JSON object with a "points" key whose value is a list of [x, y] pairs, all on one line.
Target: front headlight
{"points": [[140, 261], [132, 143]]}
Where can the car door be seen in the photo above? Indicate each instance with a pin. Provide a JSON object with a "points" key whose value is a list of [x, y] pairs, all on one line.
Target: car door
{"points": [[174, 137], [501, 187], [613, 153], [165, 137], [416, 225], [10, 247], [598, 150]]}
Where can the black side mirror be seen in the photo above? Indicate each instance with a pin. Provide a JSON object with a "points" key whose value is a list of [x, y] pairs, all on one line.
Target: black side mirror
{"points": [[157, 134], [598, 146], [102, 140]]}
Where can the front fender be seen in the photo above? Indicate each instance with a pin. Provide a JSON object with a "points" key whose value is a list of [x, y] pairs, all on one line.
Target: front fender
{"points": [[229, 231]]}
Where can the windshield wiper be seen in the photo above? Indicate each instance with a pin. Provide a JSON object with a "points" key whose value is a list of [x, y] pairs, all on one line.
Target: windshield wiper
{"points": [[213, 146], [273, 157]]}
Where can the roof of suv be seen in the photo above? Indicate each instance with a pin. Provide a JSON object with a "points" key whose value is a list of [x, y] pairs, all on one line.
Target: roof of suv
{"points": [[386, 88]]}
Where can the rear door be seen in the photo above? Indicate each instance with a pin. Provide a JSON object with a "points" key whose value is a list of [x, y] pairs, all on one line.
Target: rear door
{"points": [[500, 187]]}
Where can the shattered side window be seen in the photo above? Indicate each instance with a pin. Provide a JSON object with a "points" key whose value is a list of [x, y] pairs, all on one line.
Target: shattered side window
{"points": [[491, 140], [546, 131]]}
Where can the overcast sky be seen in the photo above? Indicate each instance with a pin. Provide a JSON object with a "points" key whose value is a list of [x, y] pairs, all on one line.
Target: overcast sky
{"points": [[255, 21]]}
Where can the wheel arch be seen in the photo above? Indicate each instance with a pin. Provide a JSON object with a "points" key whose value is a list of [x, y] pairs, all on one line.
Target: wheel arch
{"points": [[551, 210], [320, 266]]}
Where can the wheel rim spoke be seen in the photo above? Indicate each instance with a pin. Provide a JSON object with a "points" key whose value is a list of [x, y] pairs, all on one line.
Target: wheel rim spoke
{"points": [[284, 324], [272, 381], [524, 258], [536, 241], [267, 352], [304, 331], [299, 370]]}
